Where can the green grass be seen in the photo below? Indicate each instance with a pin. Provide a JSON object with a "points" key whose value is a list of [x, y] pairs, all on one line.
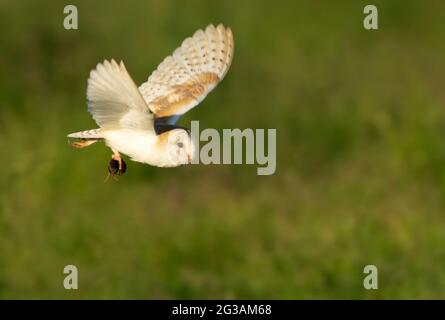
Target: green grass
{"points": [[360, 179]]}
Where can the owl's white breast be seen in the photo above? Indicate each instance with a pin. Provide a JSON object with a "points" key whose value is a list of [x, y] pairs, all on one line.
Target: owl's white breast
{"points": [[140, 146]]}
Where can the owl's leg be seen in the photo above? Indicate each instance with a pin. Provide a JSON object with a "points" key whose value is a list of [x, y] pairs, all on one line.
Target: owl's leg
{"points": [[117, 165], [82, 143]]}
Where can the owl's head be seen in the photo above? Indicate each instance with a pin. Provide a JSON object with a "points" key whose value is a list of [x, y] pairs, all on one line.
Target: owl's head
{"points": [[180, 147]]}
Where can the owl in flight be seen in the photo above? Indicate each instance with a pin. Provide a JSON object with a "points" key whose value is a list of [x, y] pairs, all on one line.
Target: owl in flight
{"points": [[140, 122]]}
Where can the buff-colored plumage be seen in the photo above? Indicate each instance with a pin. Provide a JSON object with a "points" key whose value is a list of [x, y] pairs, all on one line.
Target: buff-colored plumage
{"points": [[185, 78], [128, 115]]}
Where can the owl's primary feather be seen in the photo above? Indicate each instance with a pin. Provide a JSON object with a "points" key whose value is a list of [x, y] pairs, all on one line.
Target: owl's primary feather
{"points": [[185, 78], [114, 100]]}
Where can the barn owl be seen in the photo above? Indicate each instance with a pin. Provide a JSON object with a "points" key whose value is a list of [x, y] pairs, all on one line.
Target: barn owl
{"points": [[140, 122]]}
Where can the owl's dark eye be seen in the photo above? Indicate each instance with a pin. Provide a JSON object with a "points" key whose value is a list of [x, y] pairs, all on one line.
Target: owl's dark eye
{"points": [[180, 144]]}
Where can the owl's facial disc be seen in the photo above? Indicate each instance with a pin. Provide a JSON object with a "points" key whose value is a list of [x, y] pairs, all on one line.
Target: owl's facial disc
{"points": [[180, 147]]}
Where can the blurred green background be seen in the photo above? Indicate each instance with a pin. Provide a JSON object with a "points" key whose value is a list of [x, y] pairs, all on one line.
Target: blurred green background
{"points": [[360, 179]]}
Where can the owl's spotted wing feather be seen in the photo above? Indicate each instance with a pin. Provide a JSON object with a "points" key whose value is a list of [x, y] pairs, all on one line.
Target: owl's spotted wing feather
{"points": [[185, 78], [114, 100]]}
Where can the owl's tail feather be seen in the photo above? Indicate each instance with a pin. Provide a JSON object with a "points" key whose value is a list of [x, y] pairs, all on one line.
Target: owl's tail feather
{"points": [[93, 134], [87, 138]]}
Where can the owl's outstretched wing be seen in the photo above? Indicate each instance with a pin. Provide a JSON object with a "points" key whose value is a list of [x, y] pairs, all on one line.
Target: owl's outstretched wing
{"points": [[114, 100], [185, 78]]}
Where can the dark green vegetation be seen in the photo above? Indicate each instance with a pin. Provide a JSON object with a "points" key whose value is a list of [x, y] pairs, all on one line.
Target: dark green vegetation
{"points": [[360, 118]]}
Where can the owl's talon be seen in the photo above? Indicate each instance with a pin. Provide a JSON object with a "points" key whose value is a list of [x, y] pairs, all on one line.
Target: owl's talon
{"points": [[122, 167], [117, 166]]}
